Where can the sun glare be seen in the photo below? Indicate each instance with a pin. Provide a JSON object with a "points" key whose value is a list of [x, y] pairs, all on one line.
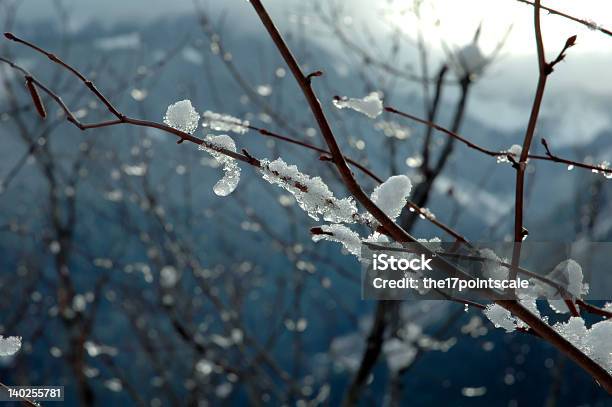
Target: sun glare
{"points": [[454, 23]]}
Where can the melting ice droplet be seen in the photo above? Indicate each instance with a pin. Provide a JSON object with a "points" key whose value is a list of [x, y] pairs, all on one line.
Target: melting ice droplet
{"points": [[231, 170]]}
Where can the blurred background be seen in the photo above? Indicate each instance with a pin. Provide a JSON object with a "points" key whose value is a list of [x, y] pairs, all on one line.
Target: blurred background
{"points": [[132, 283]]}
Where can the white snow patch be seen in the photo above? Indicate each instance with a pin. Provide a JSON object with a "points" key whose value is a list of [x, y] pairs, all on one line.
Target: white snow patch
{"points": [[9, 345], [594, 342]]}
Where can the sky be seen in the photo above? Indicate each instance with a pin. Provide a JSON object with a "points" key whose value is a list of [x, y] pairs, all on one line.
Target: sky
{"points": [[457, 18]]}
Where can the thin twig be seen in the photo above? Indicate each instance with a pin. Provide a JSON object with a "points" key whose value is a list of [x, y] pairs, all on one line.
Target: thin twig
{"points": [[588, 24], [493, 153]]}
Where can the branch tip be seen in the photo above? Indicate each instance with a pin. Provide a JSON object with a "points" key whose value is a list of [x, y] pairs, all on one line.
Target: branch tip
{"points": [[36, 99], [313, 74]]}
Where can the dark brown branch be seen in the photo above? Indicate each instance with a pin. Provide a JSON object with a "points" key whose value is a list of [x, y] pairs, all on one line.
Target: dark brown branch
{"points": [[544, 69]]}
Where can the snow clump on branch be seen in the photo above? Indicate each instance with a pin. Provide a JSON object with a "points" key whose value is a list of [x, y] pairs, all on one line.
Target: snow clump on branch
{"points": [[391, 195], [311, 193], [182, 116], [370, 105], [593, 342], [9, 345]]}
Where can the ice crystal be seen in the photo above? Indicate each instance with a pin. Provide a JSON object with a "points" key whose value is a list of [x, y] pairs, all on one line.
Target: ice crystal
{"points": [[311, 193], [231, 170], [370, 105], [343, 235], [223, 122], [9, 345], [182, 116]]}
